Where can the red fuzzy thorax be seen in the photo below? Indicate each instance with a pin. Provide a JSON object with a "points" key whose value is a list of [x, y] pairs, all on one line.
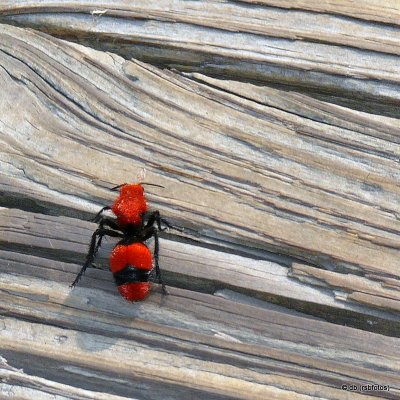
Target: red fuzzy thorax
{"points": [[137, 255], [130, 205]]}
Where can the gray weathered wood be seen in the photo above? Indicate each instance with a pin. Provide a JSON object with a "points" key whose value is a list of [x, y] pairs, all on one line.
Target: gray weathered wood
{"points": [[285, 197], [358, 302], [329, 47], [185, 342], [235, 168]]}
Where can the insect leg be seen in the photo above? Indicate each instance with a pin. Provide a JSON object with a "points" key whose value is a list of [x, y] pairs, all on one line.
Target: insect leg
{"points": [[110, 224], [93, 247], [156, 254], [155, 218], [148, 233], [98, 215]]}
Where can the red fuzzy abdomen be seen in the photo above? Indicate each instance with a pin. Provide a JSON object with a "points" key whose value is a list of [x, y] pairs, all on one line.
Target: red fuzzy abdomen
{"points": [[139, 256], [134, 291], [130, 205]]}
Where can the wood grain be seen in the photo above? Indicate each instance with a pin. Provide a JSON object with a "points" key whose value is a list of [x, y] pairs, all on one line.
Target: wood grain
{"points": [[358, 302], [275, 133], [185, 342], [235, 168], [318, 47]]}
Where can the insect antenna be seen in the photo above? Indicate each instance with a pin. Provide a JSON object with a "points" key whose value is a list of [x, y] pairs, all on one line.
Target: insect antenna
{"points": [[142, 183], [118, 186], [152, 184]]}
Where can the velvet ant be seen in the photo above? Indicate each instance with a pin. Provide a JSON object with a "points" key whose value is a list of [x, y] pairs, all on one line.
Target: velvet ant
{"points": [[131, 261]]}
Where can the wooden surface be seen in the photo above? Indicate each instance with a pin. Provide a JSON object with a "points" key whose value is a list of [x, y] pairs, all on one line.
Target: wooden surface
{"points": [[289, 195], [334, 50], [186, 344]]}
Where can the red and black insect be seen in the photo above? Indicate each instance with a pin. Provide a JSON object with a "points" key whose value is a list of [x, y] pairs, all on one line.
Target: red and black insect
{"points": [[131, 261]]}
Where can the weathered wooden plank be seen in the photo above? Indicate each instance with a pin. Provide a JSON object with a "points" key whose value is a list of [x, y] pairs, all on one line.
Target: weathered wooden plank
{"points": [[372, 10], [326, 294], [306, 188], [190, 340], [256, 18], [291, 106], [23, 386], [357, 286], [329, 47], [234, 166], [213, 347]]}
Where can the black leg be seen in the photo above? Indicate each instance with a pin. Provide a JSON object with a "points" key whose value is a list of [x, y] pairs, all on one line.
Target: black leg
{"points": [[93, 247], [148, 233], [98, 215], [155, 218], [109, 223], [106, 222], [156, 254]]}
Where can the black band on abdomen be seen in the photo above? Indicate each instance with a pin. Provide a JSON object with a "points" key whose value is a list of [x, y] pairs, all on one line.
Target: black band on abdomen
{"points": [[131, 274]]}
